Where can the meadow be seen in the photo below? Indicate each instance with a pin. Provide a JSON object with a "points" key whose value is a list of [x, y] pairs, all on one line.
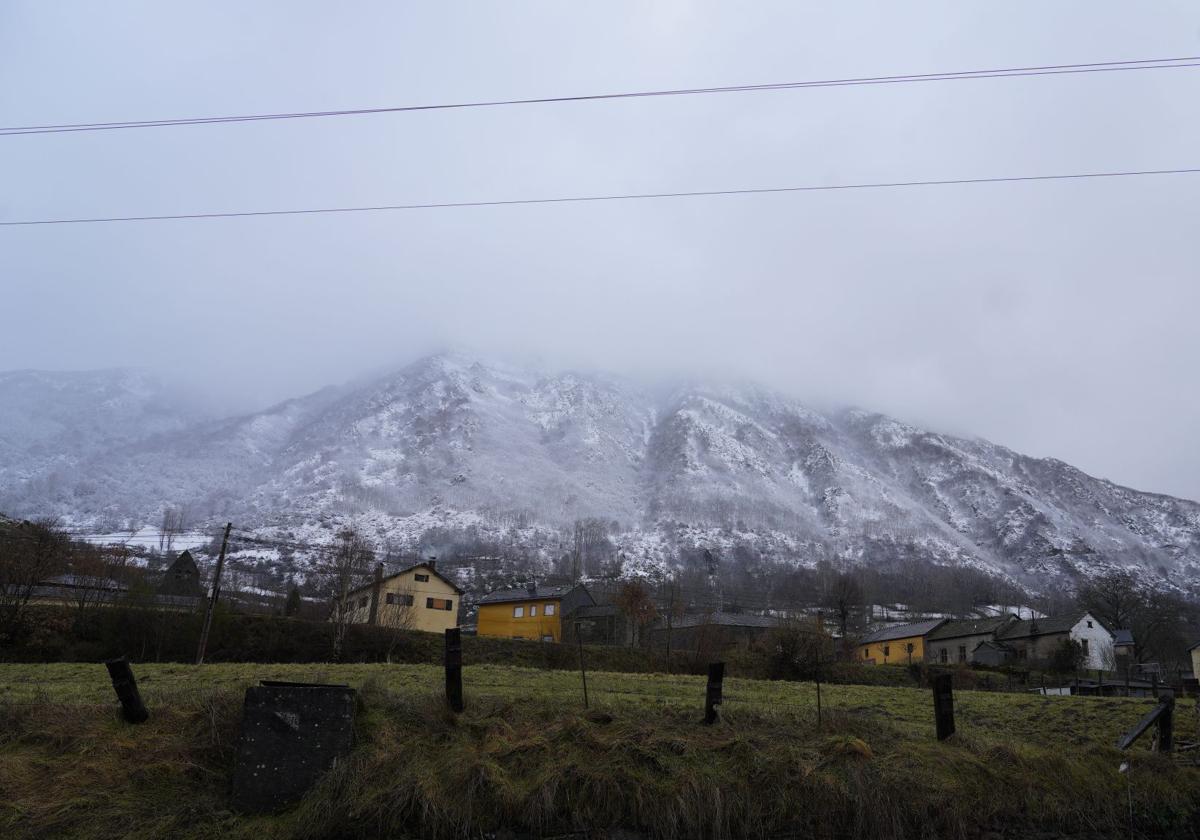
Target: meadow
{"points": [[527, 756]]}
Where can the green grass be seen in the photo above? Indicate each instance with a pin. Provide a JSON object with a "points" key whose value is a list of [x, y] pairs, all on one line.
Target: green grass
{"points": [[525, 755]]}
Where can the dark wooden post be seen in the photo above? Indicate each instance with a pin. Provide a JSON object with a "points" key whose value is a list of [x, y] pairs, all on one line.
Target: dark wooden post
{"points": [[1166, 724], [712, 692], [454, 688], [818, 679], [1099, 683], [582, 668], [943, 705], [1154, 683], [132, 708]]}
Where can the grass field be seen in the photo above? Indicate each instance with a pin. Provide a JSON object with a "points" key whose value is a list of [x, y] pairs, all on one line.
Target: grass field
{"points": [[525, 755]]}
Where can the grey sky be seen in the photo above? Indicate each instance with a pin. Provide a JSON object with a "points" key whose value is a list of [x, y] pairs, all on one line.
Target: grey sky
{"points": [[1056, 318]]}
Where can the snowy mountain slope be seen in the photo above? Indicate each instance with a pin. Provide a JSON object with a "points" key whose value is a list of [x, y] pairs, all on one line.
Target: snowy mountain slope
{"points": [[455, 443]]}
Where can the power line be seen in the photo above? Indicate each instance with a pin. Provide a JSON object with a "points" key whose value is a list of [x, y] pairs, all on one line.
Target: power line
{"points": [[956, 75], [597, 198]]}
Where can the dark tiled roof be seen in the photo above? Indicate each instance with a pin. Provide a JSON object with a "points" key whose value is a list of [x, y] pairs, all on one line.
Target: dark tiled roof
{"points": [[722, 619], [522, 593], [1039, 627], [902, 631], [1124, 637], [970, 627]]}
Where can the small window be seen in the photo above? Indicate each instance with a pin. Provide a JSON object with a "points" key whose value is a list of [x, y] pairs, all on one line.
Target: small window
{"points": [[549, 609], [962, 653], [547, 638], [390, 598], [533, 610], [1084, 643], [362, 602], [422, 578], [944, 656], [1089, 625], [439, 604], [518, 612], [909, 647], [400, 599], [887, 651]]}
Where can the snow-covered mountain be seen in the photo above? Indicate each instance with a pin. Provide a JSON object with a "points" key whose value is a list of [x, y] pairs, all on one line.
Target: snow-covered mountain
{"points": [[454, 444]]}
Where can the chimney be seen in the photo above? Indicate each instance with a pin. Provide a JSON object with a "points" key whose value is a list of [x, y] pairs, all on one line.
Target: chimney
{"points": [[531, 587], [432, 563]]}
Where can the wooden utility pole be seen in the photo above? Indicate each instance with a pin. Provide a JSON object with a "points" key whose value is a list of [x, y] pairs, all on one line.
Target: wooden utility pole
{"points": [[216, 593]]}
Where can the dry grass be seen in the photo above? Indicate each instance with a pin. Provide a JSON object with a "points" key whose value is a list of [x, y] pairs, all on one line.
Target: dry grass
{"points": [[526, 755]]}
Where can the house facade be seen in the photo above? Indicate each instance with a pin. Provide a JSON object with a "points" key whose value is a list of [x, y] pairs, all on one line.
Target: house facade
{"points": [[416, 598], [900, 644], [1036, 640], [959, 641], [532, 612], [712, 632]]}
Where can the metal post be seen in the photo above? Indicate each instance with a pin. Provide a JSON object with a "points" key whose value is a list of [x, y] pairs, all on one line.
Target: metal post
{"points": [[454, 687], [582, 669], [132, 708], [712, 692]]}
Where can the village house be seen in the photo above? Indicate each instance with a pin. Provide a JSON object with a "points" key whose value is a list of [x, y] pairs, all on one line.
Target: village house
{"points": [[901, 644], [1036, 640], [181, 578], [531, 612], [601, 624], [416, 598], [959, 641], [712, 632]]}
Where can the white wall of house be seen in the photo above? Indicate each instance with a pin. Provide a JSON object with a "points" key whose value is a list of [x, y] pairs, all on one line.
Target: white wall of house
{"points": [[1092, 635]]}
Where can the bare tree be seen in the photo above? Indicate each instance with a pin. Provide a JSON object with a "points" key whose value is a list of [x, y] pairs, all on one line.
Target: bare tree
{"points": [[633, 599], [844, 596], [29, 553], [173, 521], [346, 569]]}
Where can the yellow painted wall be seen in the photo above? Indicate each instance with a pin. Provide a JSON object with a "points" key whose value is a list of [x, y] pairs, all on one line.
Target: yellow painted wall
{"points": [[896, 651], [499, 620], [415, 617]]}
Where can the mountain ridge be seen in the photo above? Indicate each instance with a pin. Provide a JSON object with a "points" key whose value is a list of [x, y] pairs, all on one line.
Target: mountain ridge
{"points": [[456, 443]]}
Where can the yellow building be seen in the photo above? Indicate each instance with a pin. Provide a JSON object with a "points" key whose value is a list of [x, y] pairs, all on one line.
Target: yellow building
{"points": [[417, 598], [902, 644], [532, 612]]}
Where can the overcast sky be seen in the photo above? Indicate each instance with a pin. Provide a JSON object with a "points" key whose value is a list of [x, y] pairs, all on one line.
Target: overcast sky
{"points": [[1057, 318]]}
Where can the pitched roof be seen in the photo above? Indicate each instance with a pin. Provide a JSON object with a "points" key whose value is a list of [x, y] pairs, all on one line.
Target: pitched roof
{"points": [[525, 593], [594, 611], [902, 631], [1038, 627], [432, 570], [722, 619], [1124, 637], [970, 627]]}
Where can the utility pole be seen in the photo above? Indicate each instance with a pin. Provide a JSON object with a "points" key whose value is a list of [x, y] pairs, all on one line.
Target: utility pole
{"points": [[216, 593]]}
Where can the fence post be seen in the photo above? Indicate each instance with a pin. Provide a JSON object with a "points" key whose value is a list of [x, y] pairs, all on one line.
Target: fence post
{"points": [[582, 669], [943, 705], [132, 708], [454, 689], [1154, 683], [712, 692], [1166, 724], [818, 675]]}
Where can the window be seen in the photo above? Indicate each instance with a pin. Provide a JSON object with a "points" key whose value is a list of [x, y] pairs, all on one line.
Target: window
{"points": [[422, 578], [362, 602], [909, 647], [962, 653], [518, 612], [1089, 625], [549, 609], [547, 638], [1085, 650], [943, 656], [400, 599], [439, 604], [887, 651], [866, 653], [533, 610]]}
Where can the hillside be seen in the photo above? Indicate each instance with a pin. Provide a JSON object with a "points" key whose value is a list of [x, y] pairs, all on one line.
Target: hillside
{"points": [[453, 445]]}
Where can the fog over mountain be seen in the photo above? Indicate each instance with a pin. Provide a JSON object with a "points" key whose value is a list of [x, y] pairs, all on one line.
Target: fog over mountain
{"points": [[456, 444]]}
